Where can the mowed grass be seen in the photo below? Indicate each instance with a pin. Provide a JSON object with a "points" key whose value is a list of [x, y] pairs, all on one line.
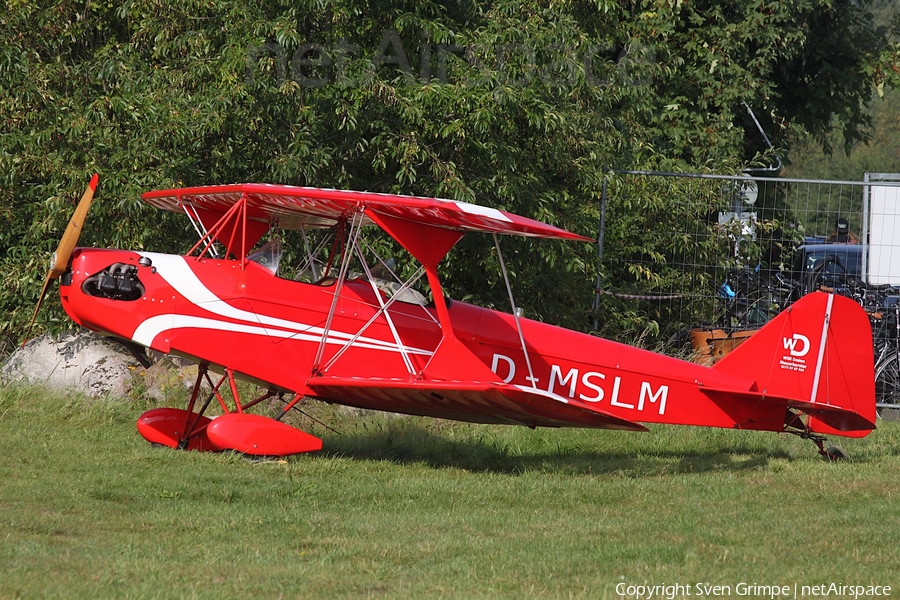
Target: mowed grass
{"points": [[416, 508]]}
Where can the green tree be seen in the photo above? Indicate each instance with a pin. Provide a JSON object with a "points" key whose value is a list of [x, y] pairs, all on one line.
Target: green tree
{"points": [[515, 105]]}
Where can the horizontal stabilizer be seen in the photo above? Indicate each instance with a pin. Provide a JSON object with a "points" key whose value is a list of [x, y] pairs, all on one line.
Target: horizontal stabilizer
{"points": [[840, 420], [819, 425], [474, 402]]}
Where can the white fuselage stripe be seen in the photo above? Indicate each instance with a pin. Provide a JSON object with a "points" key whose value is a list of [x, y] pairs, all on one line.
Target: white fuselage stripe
{"points": [[177, 273], [822, 344], [149, 329]]}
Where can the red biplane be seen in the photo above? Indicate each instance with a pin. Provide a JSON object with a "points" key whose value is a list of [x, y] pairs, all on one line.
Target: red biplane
{"points": [[354, 338]]}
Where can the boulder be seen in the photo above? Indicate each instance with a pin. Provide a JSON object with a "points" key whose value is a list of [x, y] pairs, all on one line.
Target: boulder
{"points": [[78, 360], [169, 378]]}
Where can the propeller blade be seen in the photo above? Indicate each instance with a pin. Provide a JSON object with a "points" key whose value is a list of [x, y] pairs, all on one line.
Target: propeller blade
{"points": [[38, 307], [65, 248], [73, 230]]}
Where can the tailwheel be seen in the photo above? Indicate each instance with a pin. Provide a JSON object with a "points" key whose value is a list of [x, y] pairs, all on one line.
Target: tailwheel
{"points": [[793, 424], [832, 452], [836, 453], [235, 430]]}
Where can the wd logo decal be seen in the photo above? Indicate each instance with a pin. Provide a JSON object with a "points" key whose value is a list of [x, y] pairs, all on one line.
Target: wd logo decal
{"points": [[796, 346]]}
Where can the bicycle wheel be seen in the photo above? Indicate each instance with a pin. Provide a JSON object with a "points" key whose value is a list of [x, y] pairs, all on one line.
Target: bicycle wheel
{"points": [[887, 381]]}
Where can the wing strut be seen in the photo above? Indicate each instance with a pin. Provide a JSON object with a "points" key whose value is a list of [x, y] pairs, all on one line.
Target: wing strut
{"points": [[383, 310], [309, 254], [355, 229], [515, 312], [387, 315], [404, 285], [195, 220]]}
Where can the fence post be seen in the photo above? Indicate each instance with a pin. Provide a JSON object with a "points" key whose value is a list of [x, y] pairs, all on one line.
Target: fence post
{"points": [[600, 236]]}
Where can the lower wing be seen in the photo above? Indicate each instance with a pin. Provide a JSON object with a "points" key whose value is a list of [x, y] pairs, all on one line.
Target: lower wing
{"points": [[474, 402]]}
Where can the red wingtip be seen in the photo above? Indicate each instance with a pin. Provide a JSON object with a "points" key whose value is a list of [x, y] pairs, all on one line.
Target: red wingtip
{"points": [[93, 183]]}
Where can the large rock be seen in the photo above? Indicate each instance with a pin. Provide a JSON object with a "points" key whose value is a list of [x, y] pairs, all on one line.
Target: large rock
{"points": [[169, 378], [79, 360]]}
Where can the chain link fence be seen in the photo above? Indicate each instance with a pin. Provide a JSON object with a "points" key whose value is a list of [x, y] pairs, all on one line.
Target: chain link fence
{"points": [[724, 254]]}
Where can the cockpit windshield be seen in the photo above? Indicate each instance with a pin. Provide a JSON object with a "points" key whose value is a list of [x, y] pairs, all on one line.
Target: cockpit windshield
{"points": [[322, 264], [269, 255]]}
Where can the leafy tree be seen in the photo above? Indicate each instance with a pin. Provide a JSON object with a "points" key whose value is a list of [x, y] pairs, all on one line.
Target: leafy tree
{"points": [[515, 105], [813, 156], [879, 154], [806, 64]]}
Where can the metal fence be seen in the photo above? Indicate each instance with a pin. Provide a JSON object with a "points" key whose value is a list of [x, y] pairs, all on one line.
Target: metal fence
{"points": [[724, 254], [728, 252]]}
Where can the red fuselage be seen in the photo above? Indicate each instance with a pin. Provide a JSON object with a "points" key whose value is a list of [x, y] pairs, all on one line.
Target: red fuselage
{"points": [[240, 316]]}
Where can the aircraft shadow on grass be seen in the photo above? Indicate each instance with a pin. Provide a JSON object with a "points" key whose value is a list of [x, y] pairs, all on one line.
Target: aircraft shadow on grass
{"points": [[418, 445]]}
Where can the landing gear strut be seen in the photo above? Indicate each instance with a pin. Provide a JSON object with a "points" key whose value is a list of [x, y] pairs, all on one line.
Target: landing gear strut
{"points": [[235, 429]]}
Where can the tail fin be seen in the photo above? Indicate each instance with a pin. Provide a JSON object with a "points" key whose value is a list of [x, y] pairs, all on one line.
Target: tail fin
{"points": [[816, 355]]}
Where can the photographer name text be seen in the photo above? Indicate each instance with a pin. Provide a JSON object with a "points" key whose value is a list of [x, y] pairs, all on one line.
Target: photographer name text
{"points": [[750, 590]]}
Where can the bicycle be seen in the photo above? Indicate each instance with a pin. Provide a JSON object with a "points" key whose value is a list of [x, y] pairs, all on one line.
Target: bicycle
{"points": [[882, 306]]}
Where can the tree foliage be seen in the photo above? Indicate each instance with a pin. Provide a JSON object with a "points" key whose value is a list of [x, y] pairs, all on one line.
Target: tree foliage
{"points": [[518, 105], [879, 154]]}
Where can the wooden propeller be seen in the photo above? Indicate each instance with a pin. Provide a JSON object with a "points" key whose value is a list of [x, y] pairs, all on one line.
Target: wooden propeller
{"points": [[60, 259]]}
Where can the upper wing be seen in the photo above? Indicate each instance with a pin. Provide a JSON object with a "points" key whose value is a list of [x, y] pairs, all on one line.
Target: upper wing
{"points": [[298, 207], [474, 402]]}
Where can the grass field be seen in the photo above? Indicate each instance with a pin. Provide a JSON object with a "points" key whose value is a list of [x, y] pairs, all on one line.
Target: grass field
{"points": [[417, 508]]}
